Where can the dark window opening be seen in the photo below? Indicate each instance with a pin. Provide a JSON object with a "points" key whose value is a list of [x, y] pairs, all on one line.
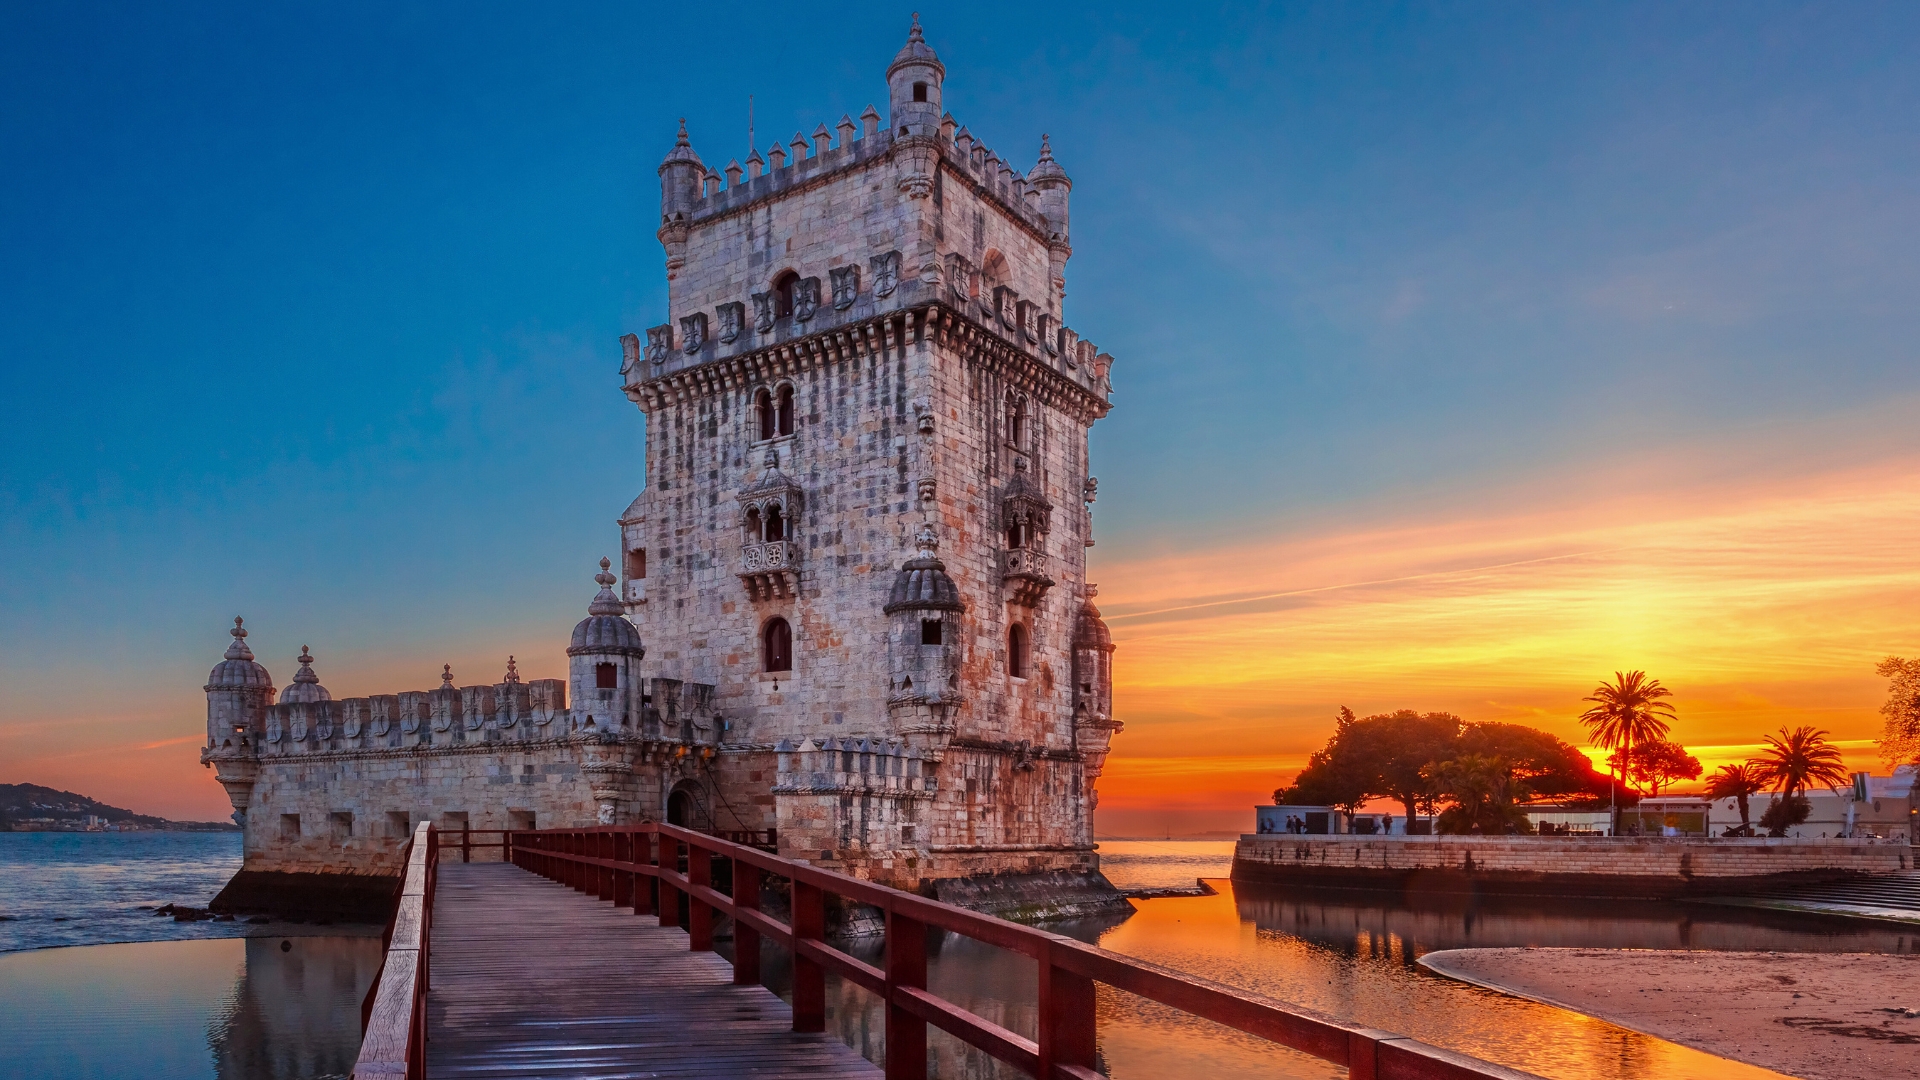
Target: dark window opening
{"points": [[776, 527], [783, 294], [784, 414], [1017, 423], [1014, 535], [606, 676], [919, 91], [929, 631], [1017, 651], [763, 404], [778, 641], [754, 531], [637, 564]]}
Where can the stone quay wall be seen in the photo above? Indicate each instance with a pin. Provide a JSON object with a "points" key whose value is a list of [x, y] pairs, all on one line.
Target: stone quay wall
{"points": [[1643, 867]]}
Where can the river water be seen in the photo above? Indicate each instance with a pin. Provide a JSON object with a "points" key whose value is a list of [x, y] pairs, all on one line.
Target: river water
{"points": [[280, 1006]]}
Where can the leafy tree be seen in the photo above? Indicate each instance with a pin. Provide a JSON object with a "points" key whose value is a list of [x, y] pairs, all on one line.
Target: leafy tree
{"points": [[1737, 782], [1799, 759], [1536, 760], [1483, 792], [1900, 741], [1377, 756], [1657, 764], [1784, 813], [1628, 712]]}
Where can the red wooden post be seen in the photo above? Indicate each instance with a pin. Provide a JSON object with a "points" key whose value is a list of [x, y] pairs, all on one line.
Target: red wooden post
{"points": [[746, 940], [607, 874], [466, 843], [907, 967], [669, 896], [809, 980], [622, 879], [699, 914], [1067, 1027], [643, 884]]}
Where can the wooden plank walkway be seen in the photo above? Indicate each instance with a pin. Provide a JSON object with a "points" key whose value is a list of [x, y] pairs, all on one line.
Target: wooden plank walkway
{"points": [[531, 979]]}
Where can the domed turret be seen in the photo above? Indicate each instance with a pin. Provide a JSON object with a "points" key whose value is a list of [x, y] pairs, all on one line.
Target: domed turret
{"points": [[1051, 181], [680, 175], [924, 629], [1092, 664], [306, 685], [913, 86], [604, 658], [238, 693], [239, 670]]}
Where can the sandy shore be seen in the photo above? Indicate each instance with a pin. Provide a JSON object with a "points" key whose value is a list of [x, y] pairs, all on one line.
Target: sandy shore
{"points": [[1824, 1016]]}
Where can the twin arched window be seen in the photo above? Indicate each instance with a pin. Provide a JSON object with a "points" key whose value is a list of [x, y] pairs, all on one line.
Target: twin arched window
{"points": [[774, 413], [1017, 651], [771, 525], [776, 645]]}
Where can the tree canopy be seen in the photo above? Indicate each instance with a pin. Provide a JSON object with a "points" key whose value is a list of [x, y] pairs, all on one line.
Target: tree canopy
{"points": [[1900, 740], [1482, 771]]}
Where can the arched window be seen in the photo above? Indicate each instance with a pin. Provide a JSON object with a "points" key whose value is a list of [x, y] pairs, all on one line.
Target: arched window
{"points": [[777, 645], [784, 414], [754, 531], [1017, 422], [783, 294], [763, 405], [993, 274], [776, 526], [1017, 651], [1015, 534], [606, 676]]}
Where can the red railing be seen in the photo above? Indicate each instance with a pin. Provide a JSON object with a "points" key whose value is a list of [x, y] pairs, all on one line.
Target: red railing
{"points": [[393, 1018], [629, 864]]}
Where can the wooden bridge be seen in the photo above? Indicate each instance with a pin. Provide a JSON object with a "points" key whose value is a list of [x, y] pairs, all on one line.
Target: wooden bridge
{"points": [[572, 958]]}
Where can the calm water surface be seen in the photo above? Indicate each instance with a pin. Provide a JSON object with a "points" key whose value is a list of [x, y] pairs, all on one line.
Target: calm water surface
{"points": [[282, 1007], [1352, 955]]}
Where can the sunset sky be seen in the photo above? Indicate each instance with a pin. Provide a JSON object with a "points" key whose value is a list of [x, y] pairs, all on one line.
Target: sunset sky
{"points": [[1465, 354]]}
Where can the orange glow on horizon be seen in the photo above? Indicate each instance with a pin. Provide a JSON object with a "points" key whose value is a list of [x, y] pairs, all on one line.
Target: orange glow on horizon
{"points": [[1760, 609]]}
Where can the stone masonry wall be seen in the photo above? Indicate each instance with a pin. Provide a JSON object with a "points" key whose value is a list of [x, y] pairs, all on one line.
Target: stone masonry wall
{"points": [[1622, 866]]}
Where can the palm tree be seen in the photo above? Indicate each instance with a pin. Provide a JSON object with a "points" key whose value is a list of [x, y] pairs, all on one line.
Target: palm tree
{"points": [[1799, 759], [1736, 782], [1627, 713]]}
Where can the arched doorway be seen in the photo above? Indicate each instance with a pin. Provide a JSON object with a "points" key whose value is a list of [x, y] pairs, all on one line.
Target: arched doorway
{"points": [[687, 808]]}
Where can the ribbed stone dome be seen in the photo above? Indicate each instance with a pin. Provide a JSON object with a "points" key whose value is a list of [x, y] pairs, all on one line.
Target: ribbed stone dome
{"points": [[923, 584], [1047, 168], [306, 685], [238, 671], [916, 51], [606, 629], [1090, 630]]}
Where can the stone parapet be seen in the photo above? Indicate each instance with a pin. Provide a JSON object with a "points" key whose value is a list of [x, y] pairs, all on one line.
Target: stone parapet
{"points": [[1589, 866]]}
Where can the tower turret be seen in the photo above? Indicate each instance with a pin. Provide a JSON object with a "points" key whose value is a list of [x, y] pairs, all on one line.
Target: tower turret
{"points": [[924, 638], [239, 690], [306, 685], [913, 86], [238, 693], [1053, 187], [604, 661], [681, 176]]}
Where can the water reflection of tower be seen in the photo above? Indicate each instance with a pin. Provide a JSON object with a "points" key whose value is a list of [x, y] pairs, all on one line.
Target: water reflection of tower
{"points": [[295, 1013]]}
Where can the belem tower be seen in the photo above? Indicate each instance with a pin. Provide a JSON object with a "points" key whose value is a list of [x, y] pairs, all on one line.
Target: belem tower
{"points": [[851, 608]]}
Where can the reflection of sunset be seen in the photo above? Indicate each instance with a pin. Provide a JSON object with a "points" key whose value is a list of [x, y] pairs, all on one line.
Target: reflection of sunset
{"points": [[1758, 609]]}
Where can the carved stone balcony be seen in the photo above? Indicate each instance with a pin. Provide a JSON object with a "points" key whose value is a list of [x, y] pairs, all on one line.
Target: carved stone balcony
{"points": [[1024, 573], [770, 568]]}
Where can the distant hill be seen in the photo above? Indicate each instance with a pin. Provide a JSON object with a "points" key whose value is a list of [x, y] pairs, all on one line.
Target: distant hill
{"points": [[23, 804]]}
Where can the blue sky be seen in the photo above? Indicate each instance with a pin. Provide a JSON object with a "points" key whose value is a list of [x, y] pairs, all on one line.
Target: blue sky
{"points": [[311, 314]]}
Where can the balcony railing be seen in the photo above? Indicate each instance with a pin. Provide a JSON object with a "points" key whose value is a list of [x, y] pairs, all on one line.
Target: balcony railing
{"points": [[770, 568]]}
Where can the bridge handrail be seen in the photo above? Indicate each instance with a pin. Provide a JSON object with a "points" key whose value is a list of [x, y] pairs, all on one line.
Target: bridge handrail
{"points": [[393, 1019], [621, 864]]}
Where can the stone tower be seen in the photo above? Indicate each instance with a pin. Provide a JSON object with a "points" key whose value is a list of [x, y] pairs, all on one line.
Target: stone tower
{"points": [[864, 521]]}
